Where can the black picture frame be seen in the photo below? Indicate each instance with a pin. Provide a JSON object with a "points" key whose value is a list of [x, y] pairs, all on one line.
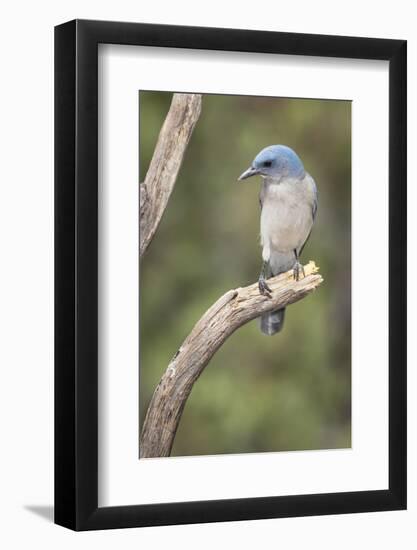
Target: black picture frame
{"points": [[76, 272]]}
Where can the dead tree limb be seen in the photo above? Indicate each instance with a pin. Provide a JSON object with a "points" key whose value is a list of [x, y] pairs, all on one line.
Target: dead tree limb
{"points": [[165, 164], [231, 311]]}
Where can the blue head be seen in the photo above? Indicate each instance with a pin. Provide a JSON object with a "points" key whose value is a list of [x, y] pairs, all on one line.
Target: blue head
{"points": [[276, 161]]}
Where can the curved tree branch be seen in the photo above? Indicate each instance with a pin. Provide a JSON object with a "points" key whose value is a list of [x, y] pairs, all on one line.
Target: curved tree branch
{"points": [[231, 311], [166, 161]]}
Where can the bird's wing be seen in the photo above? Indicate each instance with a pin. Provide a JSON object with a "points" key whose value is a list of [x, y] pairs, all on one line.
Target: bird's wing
{"points": [[313, 213], [315, 202]]}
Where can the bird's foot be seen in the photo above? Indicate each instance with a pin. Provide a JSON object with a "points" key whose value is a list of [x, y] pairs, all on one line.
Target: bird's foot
{"points": [[264, 288], [297, 269]]}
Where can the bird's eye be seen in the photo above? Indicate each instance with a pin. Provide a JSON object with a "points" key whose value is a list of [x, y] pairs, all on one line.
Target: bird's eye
{"points": [[267, 163]]}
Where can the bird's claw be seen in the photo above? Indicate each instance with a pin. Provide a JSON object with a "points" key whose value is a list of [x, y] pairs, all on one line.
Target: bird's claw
{"points": [[264, 288], [297, 269]]}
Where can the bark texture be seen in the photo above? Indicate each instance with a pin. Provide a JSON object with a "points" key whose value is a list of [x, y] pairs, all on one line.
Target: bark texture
{"points": [[231, 311], [169, 152]]}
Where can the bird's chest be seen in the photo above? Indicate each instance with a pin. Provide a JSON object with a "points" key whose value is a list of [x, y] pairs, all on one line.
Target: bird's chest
{"points": [[286, 216]]}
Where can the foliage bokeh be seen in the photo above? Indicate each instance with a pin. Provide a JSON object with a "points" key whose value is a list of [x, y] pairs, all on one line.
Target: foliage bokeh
{"points": [[287, 392]]}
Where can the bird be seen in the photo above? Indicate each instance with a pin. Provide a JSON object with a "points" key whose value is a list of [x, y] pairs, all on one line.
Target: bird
{"points": [[288, 200]]}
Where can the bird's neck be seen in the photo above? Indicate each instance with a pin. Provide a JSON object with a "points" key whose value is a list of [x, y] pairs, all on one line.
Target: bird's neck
{"points": [[272, 180], [276, 188]]}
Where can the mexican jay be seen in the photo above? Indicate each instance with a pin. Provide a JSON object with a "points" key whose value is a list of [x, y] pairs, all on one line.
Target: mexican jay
{"points": [[288, 201]]}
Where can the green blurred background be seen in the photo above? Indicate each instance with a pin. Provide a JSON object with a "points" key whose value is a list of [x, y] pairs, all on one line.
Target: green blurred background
{"points": [[291, 391]]}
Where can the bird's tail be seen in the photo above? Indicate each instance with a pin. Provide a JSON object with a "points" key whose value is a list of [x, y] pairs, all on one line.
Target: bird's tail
{"points": [[272, 322]]}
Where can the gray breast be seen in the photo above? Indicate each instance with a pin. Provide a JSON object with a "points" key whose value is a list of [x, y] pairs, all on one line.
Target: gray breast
{"points": [[287, 217]]}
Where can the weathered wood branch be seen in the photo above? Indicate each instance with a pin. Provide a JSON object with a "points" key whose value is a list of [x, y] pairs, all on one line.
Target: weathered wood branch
{"points": [[166, 161], [231, 311]]}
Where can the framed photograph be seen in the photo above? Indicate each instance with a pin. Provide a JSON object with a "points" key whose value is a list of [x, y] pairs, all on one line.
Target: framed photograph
{"points": [[230, 284]]}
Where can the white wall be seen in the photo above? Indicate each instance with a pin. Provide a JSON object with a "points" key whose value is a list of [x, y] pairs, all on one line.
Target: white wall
{"points": [[26, 271]]}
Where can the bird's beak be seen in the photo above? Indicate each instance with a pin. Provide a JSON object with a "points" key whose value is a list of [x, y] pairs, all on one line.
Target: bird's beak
{"points": [[248, 173]]}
